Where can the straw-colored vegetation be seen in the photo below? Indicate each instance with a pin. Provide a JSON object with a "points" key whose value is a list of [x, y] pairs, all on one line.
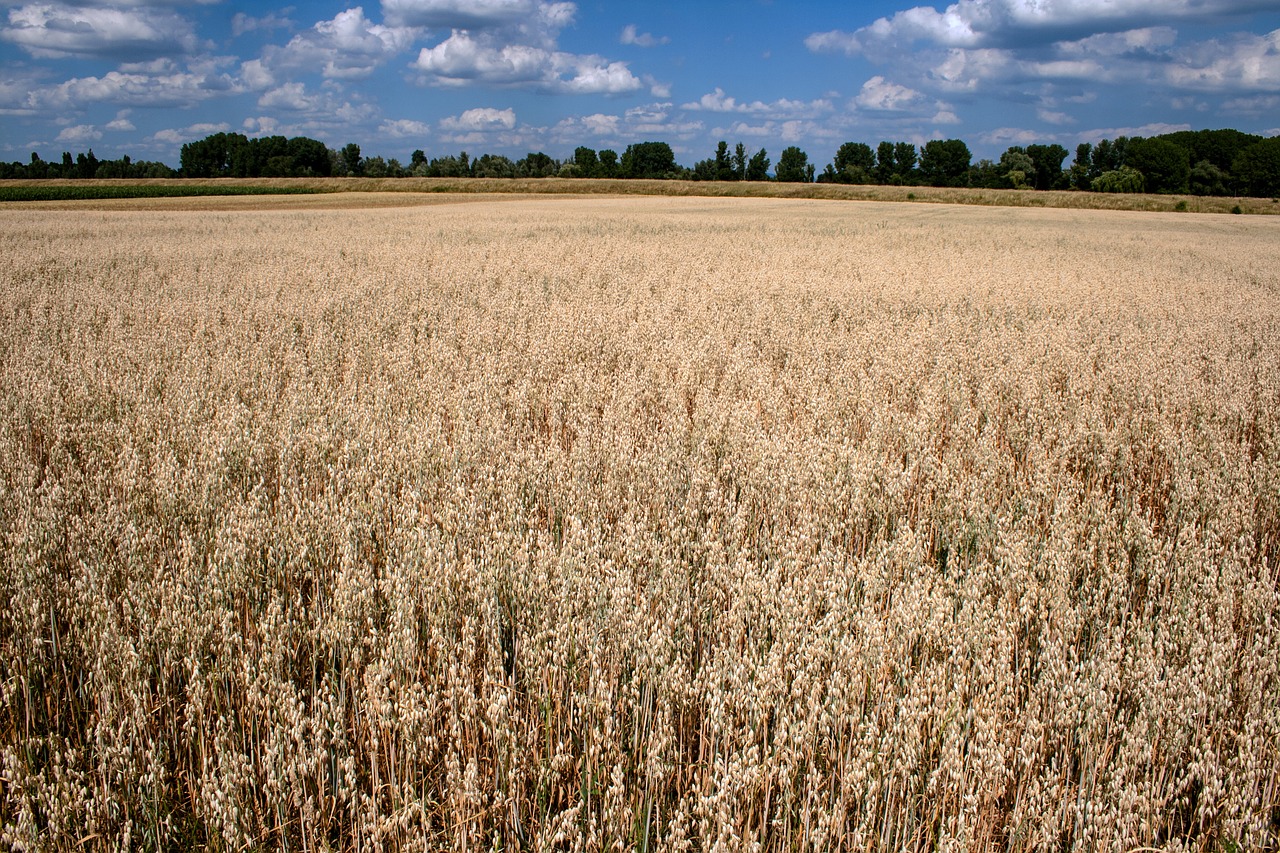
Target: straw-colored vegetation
{"points": [[665, 524], [409, 188]]}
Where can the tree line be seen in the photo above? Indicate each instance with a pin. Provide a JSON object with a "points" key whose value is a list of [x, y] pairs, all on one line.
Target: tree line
{"points": [[1204, 162]]}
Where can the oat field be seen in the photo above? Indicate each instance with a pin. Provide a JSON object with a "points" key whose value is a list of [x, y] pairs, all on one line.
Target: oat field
{"points": [[639, 524]]}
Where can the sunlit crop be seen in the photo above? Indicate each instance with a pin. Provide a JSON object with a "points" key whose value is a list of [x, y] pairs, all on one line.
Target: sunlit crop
{"points": [[646, 523]]}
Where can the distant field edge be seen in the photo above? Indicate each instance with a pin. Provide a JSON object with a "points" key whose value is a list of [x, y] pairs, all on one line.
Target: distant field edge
{"points": [[75, 190]]}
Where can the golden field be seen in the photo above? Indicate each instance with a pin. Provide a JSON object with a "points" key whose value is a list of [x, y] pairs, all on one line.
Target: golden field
{"points": [[644, 523]]}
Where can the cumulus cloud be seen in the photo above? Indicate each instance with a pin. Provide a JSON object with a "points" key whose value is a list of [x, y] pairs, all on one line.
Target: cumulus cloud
{"points": [[404, 128], [655, 120], [79, 134], [480, 119], [121, 122], [176, 89], [597, 127], [521, 15], [887, 96], [1019, 23], [1247, 62], [242, 23], [256, 75], [1006, 136], [1152, 129], [1053, 117], [631, 36], [507, 43], [1257, 105], [175, 136], [463, 58], [289, 96], [717, 101], [348, 46], [56, 30], [998, 47]]}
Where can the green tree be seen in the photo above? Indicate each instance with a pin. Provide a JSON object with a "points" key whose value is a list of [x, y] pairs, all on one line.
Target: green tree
{"points": [[1017, 167], [740, 162], [1048, 161], [703, 170], [945, 162], [724, 162], [758, 166], [793, 166], [608, 163], [1257, 169], [904, 161], [1108, 155], [587, 161], [1208, 179], [310, 157], [493, 166], [351, 159], [1166, 166], [1082, 166], [536, 164], [884, 162], [1126, 179], [854, 163], [1219, 147], [211, 157], [648, 160]]}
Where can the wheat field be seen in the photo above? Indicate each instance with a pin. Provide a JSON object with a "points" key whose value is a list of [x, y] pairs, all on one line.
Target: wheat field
{"points": [[639, 524]]}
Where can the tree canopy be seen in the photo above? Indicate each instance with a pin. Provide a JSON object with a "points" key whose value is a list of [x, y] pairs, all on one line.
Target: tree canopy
{"points": [[1204, 162]]}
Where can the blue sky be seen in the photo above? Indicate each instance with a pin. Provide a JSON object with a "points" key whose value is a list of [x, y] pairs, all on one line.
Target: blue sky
{"points": [[140, 77]]}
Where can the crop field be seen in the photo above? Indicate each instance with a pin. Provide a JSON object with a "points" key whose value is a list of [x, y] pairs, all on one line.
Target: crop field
{"points": [[639, 523]]}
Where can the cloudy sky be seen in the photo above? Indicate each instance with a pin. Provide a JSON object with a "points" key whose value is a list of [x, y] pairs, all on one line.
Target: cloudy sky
{"points": [[140, 77]]}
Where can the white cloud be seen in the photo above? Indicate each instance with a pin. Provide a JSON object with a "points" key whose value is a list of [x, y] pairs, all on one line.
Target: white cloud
{"points": [[631, 36], [1007, 23], [1153, 129], [289, 96], [755, 131], [994, 47], [54, 30], [657, 121], [575, 130], [965, 70], [256, 75], [1005, 136], [717, 101], [479, 14], [656, 88], [263, 126], [507, 43], [945, 117], [349, 46], [175, 136], [242, 23], [1248, 63], [179, 89], [1146, 40], [480, 119], [463, 58], [887, 96], [79, 134], [121, 122], [1052, 117], [404, 128], [1254, 106]]}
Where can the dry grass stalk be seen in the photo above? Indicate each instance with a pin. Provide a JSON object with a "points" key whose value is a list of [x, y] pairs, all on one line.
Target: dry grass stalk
{"points": [[658, 524]]}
